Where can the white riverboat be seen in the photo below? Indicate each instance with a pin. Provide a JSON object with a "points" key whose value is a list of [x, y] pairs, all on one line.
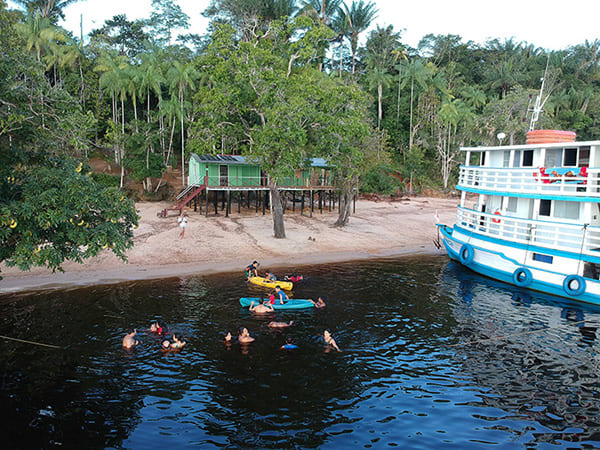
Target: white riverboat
{"points": [[529, 215]]}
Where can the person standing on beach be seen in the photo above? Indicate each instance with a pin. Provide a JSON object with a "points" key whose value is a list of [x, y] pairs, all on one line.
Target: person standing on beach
{"points": [[251, 270], [182, 221]]}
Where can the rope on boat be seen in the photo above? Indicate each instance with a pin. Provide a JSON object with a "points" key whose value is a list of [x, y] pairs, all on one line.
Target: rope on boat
{"points": [[507, 336], [29, 342]]}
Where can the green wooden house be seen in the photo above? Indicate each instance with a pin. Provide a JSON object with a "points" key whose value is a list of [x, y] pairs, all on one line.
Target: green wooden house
{"points": [[235, 172]]}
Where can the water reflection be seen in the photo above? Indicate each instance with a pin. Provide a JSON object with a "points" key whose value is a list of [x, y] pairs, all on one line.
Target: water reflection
{"points": [[531, 378]]}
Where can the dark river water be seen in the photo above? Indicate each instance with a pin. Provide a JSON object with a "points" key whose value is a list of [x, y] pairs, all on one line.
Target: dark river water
{"points": [[531, 379]]}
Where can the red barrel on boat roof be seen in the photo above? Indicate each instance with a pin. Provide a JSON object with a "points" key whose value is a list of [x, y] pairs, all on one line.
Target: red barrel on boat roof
{"points": [[550, 136]]}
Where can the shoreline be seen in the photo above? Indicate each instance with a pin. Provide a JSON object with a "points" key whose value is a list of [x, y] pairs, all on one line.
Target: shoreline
{"points": [[85, 278], [218, 244]]}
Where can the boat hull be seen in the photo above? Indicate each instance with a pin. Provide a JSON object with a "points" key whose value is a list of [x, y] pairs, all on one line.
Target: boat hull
{"points": [[499, 260]]}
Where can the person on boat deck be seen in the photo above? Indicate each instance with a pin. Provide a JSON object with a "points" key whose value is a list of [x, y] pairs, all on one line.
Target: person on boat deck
{"points": [[261, 308], [129, 341], [175, 345], [280, 295], [251, 270], [319, 303], [157, 328], [274, 324], [270, 275], [244, 336], [294, 278], [329, 341], [289, 344]]}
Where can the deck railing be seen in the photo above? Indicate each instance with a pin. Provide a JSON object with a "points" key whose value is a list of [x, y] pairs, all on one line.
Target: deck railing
{"points": [[244, 182], [564, 181], [555, 235]]}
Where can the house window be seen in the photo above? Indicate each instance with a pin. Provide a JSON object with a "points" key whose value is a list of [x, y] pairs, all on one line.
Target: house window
{"points": [[528, 158], [570, 157], [544, 207]]}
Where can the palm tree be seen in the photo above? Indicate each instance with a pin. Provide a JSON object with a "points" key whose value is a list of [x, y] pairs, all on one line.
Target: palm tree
{"points": [[360, 16], [50, 9], [414, 72], [38, 33], [378, 77], [182, 77], [341, 26]]}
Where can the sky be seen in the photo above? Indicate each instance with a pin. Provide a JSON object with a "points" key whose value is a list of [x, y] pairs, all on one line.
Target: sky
{"points": [[537, 22]]}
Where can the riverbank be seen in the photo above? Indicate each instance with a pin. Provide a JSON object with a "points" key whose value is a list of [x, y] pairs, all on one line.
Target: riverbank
{"points": [[224, 244]]}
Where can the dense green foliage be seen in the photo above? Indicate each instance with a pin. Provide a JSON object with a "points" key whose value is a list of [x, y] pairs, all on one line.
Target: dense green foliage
{"points": [[280, 81], [51, 209]]}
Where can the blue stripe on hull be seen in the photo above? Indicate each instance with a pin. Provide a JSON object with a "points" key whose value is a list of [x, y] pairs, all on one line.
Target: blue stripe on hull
{"points": [[496, 274]]}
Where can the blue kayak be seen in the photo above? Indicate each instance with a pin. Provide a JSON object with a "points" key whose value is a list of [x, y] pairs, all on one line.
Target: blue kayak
{"points": [[294, 303]]}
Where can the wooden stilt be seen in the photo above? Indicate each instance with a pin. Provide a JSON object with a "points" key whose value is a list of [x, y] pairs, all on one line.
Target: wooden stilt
{"points": [[312, 203], [354, 207], [339, 201], [206, 209], [195, 203], [256, 200], [240, 198], [264, 202], [228, 206], [302, 204], [294, 201], [216, 201], [321, 201]]}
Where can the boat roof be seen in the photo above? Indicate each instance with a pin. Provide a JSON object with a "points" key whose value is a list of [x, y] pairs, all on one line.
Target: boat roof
{"points": [[530, 146]]}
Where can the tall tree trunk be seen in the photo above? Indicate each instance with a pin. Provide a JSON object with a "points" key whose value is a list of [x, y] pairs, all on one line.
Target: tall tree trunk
{"points": [[410, 138], [379, 104], [345, 204], [182, 143], [277, 211], [122, 155]]}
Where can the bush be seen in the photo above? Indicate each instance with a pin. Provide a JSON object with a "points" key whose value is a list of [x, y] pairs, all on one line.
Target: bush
{"points": [[378, 180], [106, 179]]}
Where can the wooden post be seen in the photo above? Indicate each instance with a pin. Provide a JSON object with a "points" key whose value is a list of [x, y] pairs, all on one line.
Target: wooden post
{"points": [[264, 202], [248, 199], [240, 197], [256, 200], [216, 201], [206, 209], [228, 207], [321, 201], [312, 203], [330, 196], [302, 203], [195, 203], [294, 201], [223, 201], [339, 200], [354, 207]]}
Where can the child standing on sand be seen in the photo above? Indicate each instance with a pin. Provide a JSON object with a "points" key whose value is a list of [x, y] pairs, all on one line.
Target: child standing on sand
{"points": [[182, 221]]}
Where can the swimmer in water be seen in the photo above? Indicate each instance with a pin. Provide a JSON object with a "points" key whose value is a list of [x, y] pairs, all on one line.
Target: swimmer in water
{"points": [[157, 328], [244, 336], [329, 341], [262, 308], [280, 295], [289, 344], [280, 324], [319, 303], [293, 278], [177, 344], [128, 341]]}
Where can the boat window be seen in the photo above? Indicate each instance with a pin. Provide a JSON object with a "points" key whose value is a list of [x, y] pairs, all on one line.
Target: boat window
{"points": [[566, 210], [512, 204], [570, 157], [528, 158], [584, 156], [482, 161], [517, 159], [506, 159], [544, 207], [553, 157], [543, 258]]}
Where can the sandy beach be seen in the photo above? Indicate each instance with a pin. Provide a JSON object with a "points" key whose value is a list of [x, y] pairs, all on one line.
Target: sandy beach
{"points": [[224, 244]]}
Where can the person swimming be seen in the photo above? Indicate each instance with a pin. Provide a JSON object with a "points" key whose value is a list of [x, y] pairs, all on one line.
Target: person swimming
{"points": [[261, 308], [274, 324], [128, 341], [173, 346], [289, 344], [319, 303], [329, 341], [244, 336], [280, 295], [157, 328], [293, 278]]}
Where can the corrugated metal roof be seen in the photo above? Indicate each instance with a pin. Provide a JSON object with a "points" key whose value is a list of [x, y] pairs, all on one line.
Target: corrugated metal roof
{"points": [[236, 159]]}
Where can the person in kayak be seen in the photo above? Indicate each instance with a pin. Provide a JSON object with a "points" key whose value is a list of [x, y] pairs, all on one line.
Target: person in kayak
{"points": [[274, 324], [251, 270], [244, 336], [270, 275], [280, 295], [289, 344], [128, 341], [329, 341], [319, 303], [261, 308]]}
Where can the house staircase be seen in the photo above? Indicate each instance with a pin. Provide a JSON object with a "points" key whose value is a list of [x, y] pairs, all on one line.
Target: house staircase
{"points": [[183, 198]]}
